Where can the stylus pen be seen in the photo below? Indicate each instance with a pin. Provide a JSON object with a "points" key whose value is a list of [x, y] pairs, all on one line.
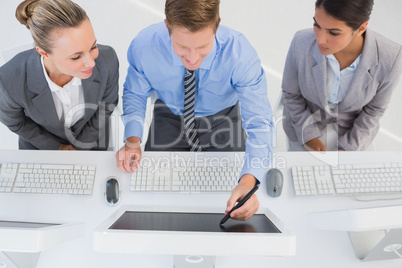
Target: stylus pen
{"points": [[241, 202]]}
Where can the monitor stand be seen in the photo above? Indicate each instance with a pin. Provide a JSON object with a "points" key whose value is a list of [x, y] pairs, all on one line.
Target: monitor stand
{"points": [[193, 261], [19, 259], [377, 245]]}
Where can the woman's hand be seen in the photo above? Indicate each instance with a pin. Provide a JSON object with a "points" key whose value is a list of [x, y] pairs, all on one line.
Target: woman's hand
{"points": [[315, 145], [66, 147]]}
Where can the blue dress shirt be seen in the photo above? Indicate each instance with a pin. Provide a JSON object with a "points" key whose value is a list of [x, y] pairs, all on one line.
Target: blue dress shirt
{"points": [[230, 73]]}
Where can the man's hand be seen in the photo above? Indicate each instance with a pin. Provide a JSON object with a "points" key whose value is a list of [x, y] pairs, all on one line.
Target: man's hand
{"points": [[315, 145], [243, 213], [66, 147], [131, 151]]}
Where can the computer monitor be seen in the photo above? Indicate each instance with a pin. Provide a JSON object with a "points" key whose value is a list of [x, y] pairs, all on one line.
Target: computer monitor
{"points": [[358, 220], [189, 231], [21, 242], [19, 236], [375, 232]]}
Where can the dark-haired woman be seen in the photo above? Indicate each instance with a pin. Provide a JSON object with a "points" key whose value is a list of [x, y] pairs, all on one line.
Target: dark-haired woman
{"points": [[59, 95], [338, 79]]}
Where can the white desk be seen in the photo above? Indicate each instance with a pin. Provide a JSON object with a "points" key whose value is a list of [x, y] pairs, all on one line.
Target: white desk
{"points": [[315, 248]]}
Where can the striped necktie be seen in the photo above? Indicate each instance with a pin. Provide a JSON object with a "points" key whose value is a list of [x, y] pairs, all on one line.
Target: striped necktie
{"points": [[189, 97]]}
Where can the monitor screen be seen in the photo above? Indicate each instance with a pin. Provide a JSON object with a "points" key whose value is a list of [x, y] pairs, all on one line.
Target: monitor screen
{"points": [[191, 222]]}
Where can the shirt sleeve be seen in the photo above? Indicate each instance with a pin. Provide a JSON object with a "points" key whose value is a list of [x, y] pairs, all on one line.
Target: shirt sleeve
{"points": [[296, 111], [91, 136], [136, 91], [251, 86], [13, 116]]}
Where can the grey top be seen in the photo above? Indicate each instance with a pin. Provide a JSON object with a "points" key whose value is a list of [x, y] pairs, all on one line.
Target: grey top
{"points": [[306, 110]]}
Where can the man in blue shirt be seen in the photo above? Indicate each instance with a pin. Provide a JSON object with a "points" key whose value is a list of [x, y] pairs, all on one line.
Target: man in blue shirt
{"points": [[191, 51]]}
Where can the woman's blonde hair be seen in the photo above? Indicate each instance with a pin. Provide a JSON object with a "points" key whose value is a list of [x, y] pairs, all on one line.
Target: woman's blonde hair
{"points": [[42, 17]]}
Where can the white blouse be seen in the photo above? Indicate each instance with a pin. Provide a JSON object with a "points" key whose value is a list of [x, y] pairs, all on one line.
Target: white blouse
{"points": [[68, 100]]}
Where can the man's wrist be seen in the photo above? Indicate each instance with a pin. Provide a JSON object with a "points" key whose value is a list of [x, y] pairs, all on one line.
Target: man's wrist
{"points": [[248, 180], [133, 142]]}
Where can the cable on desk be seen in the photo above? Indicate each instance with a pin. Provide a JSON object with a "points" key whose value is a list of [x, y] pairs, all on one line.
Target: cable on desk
{"points": [[396, 252], [356, 198]]}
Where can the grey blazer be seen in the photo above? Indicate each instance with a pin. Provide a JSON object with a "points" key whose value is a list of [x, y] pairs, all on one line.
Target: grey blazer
{"points": [[306, 111], [27, 107]]}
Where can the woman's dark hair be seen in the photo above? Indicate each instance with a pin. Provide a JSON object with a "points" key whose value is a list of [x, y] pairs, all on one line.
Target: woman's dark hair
{"points": [[352, 12]]}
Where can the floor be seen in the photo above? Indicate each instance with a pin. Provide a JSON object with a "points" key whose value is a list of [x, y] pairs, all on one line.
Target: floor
{"points": [[269, 26]]}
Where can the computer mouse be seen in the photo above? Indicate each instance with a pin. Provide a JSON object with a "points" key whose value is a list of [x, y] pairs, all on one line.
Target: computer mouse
{"points": [[274, 182], [112, 192]]}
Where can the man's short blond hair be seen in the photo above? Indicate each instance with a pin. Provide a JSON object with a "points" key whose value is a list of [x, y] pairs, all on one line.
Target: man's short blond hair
{"points": [[193, 15]]}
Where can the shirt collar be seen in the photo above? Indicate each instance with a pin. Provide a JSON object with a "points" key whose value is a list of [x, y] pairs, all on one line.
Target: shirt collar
{"points": [[353, 66], [53, 86], [206, 63]]}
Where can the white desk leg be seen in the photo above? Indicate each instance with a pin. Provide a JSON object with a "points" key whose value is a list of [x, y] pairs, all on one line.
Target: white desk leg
{"points": [[186, 261], [377, 245]]}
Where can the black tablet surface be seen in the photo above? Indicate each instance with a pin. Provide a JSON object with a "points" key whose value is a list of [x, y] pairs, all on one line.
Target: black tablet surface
{"points": [[191, 222]]}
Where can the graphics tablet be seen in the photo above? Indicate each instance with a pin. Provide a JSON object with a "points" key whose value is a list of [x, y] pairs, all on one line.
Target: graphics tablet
{"points": [[185, 230]]}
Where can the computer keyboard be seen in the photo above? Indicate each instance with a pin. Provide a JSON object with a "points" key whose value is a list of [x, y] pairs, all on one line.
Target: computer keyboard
{"points": [[351, 179], [46, 178], [187, 178]]}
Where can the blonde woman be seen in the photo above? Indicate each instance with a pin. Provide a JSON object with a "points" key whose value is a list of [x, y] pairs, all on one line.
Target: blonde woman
{"points": [[59, 95]]}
